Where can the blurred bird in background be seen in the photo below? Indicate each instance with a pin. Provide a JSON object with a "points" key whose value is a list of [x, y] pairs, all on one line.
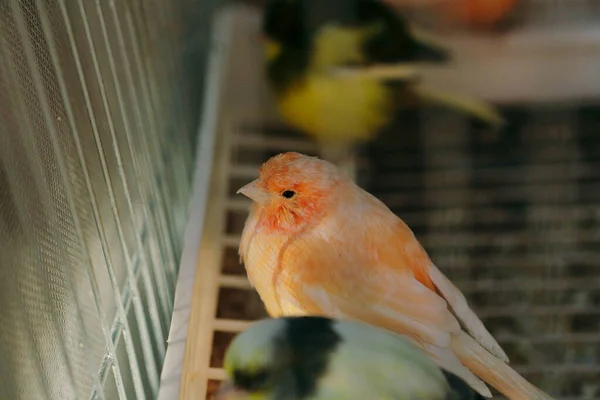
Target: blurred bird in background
{"points": [[342, 69], [318, 358], [317, 244], [470, 14]]}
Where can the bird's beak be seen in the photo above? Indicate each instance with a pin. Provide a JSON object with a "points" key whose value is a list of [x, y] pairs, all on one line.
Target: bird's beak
{"points": [[254, 192], [227, 391]]}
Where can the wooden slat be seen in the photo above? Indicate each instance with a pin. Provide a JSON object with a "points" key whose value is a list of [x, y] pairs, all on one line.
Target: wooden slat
{"points": [[231, 325], [217, 374], [232, 240], [234, 282]]}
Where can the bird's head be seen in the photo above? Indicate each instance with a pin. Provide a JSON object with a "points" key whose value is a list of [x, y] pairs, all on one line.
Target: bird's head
{"points": [[281, 358], [295, 190], [254, 362]]}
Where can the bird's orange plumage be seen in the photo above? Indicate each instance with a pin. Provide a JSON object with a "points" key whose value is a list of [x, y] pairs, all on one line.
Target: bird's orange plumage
{"points": [[315, 243]]}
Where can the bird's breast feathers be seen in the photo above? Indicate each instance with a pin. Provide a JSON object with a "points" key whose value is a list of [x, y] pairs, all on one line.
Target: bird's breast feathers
{"points": [[336, 109], [338, 254]]}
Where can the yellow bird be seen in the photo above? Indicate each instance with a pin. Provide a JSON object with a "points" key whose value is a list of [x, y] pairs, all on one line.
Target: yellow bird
{"points": [[312, 47]]}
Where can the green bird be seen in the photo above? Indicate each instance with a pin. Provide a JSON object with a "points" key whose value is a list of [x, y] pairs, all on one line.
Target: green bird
{"points": [[318, 358], [310, 46]]}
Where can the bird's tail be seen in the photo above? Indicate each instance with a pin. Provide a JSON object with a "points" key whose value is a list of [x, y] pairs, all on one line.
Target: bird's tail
{"points": [[494, 371], [477, 109]]}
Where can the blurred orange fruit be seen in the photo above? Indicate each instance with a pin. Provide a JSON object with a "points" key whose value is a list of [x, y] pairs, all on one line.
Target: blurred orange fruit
{"points": [[477, 13]]}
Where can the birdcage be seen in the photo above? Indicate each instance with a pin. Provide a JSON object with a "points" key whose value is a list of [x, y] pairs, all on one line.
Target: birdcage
{"points": [[512, 217], [113, 285]]}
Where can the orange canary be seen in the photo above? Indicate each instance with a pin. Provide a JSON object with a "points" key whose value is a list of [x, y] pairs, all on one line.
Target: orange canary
{"points": [[317, 244]]}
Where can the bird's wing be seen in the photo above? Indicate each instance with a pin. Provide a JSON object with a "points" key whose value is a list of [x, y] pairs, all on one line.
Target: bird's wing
{"points": [[404, 251], [401, 304]]}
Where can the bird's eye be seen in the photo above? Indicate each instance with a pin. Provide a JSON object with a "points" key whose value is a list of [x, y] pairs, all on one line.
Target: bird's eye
{"points": [[288, 194]]}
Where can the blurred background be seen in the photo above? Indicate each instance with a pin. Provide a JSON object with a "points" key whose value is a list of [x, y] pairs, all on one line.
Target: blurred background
{"points": [[100, 104]]}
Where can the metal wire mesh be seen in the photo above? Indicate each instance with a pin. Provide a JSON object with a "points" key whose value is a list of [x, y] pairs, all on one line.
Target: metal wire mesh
{"points": [[97, 124]]}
